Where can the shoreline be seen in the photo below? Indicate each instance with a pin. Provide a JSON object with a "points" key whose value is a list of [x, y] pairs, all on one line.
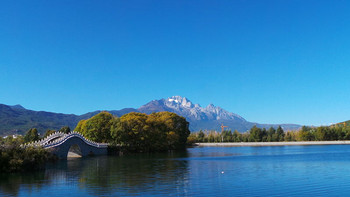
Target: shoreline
{"points": [[301, 143]]}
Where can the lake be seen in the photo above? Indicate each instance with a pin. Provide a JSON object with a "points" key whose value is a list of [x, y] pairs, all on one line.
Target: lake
{"points": [[200, 171]]}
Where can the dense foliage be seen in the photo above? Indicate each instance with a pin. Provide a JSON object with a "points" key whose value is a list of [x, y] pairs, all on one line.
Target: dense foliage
{"points": [[65, 129], [48, 132], [154, 132], [137, 131], [14, 158], [98, 128], [255, 134], [31, 135]]}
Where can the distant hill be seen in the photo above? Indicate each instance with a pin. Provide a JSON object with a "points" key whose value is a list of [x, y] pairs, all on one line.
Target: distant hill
{"points": [[345, 123], [17, 120]]}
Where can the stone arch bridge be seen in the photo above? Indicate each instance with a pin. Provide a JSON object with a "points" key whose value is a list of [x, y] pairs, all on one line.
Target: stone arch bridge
{"points": [[61, 144]]}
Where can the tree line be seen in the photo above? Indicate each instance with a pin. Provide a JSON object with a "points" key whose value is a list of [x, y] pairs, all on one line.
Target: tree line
{"points": [[255, 134]]}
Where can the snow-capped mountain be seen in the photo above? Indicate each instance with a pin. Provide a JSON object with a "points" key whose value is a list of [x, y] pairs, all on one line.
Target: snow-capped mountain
{"points": [[184, 107]]}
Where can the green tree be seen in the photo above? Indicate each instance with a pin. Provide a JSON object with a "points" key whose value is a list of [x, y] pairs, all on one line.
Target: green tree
{"points": [[192, 138], [304, 134], [65, 129], [31, 135], [237, 137], [226, 136], [339, 132], [201, 136], [320, 134], [130, 131], [80, 126], [290, 136], [255, 134], [176, 128], [263, 135], [280, 134], [271, 135], [49, 132], [98, 127]]}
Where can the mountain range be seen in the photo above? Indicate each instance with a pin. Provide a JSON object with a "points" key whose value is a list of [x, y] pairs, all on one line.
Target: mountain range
{"points": [[17, 120]]}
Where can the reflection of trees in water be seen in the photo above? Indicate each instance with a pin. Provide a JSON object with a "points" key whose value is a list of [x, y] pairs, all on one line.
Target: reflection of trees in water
{"points": [[135, 173], [107, 174], [10, 184]]}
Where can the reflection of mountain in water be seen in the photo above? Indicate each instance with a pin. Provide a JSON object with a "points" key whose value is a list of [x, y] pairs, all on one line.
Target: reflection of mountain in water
{"points": [[105, 175]]}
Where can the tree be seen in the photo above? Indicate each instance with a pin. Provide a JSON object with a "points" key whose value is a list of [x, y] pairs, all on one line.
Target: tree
{"points": [[175, 127], [226, 136], [98, 127], [320, 134], [237, 137], [200, 136], [131, 131], [255, 134], [192, 138], [65, 129], [49, 132], [304, 134], [271, 135], [263, 135], [31, 135], [80, 126], [339, 132], [290, 136], [280, 134]]}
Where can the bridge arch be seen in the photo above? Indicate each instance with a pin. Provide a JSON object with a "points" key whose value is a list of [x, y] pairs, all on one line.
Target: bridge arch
{"points": [[74, 151], [62, 149]]}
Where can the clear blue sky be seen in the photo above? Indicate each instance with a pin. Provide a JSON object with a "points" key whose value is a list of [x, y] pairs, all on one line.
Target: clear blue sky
{"points": [[268, 61]]}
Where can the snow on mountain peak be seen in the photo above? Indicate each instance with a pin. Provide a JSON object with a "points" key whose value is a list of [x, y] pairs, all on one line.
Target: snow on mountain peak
{"points": [[178, 100], [185, 107], [171, 100]]}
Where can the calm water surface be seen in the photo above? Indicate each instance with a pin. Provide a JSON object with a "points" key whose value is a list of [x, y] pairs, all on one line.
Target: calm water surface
{"points": [[206, 171]]}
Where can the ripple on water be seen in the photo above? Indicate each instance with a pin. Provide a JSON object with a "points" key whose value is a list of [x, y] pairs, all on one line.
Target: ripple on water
{"points": [[248, 171]]}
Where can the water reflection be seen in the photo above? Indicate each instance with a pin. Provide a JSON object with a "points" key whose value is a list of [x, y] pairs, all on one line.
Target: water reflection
{"points": [[104, 175], [10, 184], [208, 171], [132, 173]]}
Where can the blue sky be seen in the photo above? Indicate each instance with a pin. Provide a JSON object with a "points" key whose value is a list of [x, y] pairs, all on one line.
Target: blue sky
{"points": [[268, 61]]}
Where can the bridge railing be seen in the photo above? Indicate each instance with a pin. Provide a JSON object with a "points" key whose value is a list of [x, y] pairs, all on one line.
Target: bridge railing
{"points": [[59, 138], [75, 134], [51, 137], [45, 140]]}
